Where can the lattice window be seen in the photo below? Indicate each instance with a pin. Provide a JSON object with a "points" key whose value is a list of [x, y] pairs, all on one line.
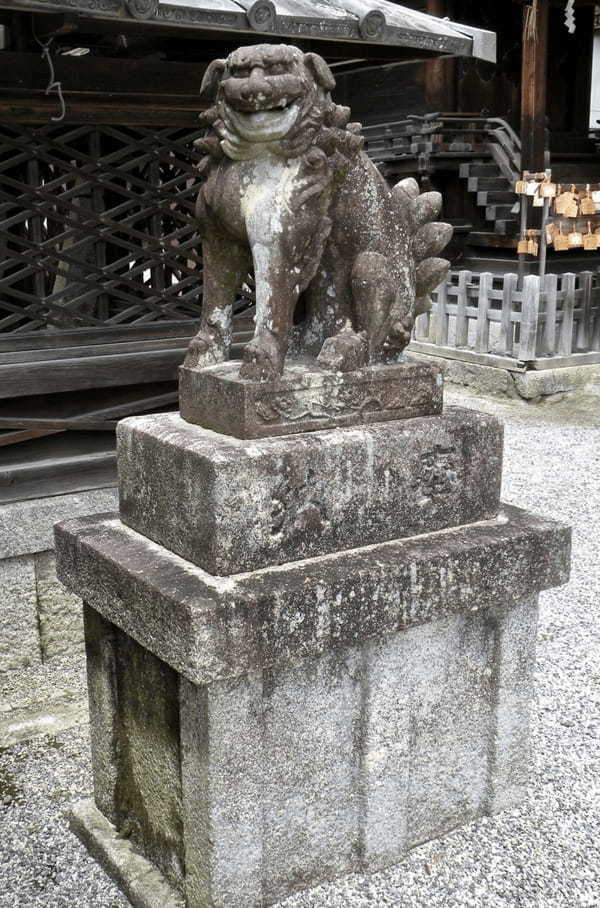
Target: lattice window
{"points": [[95, 227]]}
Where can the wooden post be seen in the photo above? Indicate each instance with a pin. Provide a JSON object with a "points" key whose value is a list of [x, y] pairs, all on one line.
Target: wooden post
{"points": [[440, 73], [533, 84], [530, 308]]}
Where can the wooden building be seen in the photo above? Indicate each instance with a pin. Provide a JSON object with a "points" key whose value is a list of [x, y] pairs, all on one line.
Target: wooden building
{"points": [[471, 128], [100, 272]]}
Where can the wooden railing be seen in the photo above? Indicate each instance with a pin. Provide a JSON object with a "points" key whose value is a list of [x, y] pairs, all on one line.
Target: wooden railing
{"points": [[488, 314]]}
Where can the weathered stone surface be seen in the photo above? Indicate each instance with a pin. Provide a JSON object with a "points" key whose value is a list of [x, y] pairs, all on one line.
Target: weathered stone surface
{"points": [[306, 398], [28, 526], [210, 628], [134, 730], [101, 654], [541, 383], [515, 660], [59, 612], [142, 883], [487, 379], [19, 639], [148, 783], [531, 384], [308, 494], [17, 726], [339, 762], [450, 690], [271, 760]]}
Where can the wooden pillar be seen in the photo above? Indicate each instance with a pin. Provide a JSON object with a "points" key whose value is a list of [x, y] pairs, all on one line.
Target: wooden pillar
{"points": [[533, 84], [439, 74]]}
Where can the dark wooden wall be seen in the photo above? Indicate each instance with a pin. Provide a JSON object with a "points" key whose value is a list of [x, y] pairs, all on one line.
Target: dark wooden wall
{"points": [[474, 86], [383, 94]]}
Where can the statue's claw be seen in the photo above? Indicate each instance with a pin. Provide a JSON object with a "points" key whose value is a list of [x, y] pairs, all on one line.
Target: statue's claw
{"points": [[204, 350], [262, 359], [401, 333]]}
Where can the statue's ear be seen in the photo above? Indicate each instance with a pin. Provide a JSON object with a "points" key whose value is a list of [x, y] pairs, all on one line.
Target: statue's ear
{"points": [[212, 77], [321, 72]]}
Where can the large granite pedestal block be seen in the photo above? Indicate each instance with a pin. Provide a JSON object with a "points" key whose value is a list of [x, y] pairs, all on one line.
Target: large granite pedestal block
{"points": [[263, 732], [232, 505]]}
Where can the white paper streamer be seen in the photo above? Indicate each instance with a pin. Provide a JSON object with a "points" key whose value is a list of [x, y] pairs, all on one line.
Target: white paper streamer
{"points": [[570, 16]]}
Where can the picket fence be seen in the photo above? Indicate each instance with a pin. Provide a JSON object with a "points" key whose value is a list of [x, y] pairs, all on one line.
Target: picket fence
{"points": [[488, 313]]}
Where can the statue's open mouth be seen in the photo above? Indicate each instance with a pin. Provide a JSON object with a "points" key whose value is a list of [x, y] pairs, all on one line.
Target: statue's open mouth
{"points": [[267, 123]]}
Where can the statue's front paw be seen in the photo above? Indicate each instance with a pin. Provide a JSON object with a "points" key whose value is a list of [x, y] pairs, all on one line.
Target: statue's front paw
{"points": [[262, 359], [204, 350]]}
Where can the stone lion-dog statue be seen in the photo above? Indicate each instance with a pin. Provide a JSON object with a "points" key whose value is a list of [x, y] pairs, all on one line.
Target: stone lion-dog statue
{"points": [[342, 264]]}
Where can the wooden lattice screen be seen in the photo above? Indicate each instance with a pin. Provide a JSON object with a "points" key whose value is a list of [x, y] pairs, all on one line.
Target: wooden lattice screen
{"points": [[95, 227]]}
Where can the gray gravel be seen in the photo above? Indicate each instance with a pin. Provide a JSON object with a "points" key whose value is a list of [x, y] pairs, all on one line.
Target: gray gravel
{"points": [[546, 853]]}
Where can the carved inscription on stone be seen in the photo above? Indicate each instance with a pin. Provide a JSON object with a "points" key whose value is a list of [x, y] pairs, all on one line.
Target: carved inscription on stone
{"points": [[298, 506], [438, 472]]}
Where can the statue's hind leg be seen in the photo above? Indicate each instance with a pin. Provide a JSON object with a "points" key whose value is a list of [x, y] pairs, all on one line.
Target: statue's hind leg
{"points": [[328, 330]]}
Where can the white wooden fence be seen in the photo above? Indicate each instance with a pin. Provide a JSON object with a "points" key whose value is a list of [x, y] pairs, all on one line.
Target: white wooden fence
{"points": [[487, 313]]}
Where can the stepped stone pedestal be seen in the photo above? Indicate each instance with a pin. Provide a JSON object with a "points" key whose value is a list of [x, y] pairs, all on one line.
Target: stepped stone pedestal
{"points": [[307, 653]]}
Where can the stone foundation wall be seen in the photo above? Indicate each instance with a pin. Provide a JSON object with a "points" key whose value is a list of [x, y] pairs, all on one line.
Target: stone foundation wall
{"points": [[40, 620]]}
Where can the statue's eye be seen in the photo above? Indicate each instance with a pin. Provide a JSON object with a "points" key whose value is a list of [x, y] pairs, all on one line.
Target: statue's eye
{"points": [[241, 72], [276, 69]]}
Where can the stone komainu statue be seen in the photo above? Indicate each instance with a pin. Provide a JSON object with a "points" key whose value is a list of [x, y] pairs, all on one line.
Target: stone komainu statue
{"points": [[342, 263]]}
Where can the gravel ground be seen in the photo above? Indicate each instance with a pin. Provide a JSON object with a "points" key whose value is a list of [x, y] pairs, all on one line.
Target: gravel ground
{"points": [[546, 853]]}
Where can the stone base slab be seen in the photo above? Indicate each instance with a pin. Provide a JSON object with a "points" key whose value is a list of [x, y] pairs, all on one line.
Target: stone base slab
{"points": [[142, 883], [534, 384], [23, 725], [250, 504], [210, 628], [306, 398], [539, 383]]}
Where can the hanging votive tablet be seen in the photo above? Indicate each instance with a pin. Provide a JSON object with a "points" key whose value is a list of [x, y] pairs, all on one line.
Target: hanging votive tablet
{"points": [[562, 200], [561, 241], [588, 206], [522, 247], [520, 187], [571, 208], [575, 239], [590, 240], [548, 190]]}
